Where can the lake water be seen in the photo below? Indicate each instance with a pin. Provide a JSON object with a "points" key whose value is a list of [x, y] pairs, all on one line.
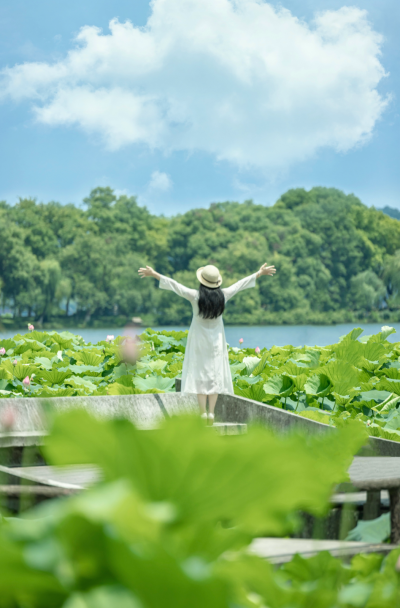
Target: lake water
{"points": [[262, 336]]}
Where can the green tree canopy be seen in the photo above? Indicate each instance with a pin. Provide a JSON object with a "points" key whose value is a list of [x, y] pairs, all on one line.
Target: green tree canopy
{"points": [[335, 257]]}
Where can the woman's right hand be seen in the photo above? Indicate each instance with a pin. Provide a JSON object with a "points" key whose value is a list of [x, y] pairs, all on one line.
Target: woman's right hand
{"points": [[147, 272], [267, 270]]}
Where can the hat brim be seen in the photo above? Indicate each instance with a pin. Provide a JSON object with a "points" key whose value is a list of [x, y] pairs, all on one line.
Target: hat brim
{"points": [[207, 283]]}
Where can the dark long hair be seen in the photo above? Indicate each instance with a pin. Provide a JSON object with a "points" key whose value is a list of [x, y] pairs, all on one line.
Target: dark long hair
{"points": [[211, 302]]}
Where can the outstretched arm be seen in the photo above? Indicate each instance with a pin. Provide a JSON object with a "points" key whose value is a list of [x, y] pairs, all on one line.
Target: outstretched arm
{"points": [[170, 284], [247, 282]]}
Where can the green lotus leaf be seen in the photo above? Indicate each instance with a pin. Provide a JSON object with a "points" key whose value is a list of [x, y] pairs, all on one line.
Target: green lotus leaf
{"points": [[251, 363], [382, 335], [375, 351], [5, 374], [39, 336], [61, 341], [343, 376], [7, 343], [89, 357], [353, 335], [253, 391], [292, 369], [79, 382], [307, 359], [5, 393], [176, 368], [318, 385], [281, 386], [54, 376], [393, 423], [377, 395], [83, 369], [157, 365], [261, 365], [372, 531], [317, 416], [244, 381], [390, 372], [386, 384], [120, 389], [125, 381], [55, 392], [299, 382], [156, 382], [43, 362], [121, 370], [350, 351], [21, 370]]}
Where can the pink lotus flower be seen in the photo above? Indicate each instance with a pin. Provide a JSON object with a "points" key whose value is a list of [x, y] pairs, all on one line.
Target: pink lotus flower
{"points": [[2, 351], [26, 381], [241, 341], [257, 349], [30, 327], [7, 418], [15, 362], [109, 338]]}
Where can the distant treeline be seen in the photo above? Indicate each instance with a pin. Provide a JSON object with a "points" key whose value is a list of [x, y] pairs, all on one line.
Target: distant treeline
{"points": [[337, 260]]}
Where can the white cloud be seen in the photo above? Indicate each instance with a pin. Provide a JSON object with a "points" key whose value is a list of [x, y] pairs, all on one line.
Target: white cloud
{"points": [[238, 79], [160, 181]]}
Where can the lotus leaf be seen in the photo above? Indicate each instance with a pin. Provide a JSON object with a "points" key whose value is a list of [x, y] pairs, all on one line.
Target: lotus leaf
{"points": [[89, 357], [281, 386], [318, 385], [386, 384], [79, 382], [251, 363], [21, 370], [317, 416], [261, 365], [372, 531], [393, 421], [54, 376], [343, 376], [157, 382], [120, 389], [353, 335], [157, 365], [253, 391], [43, 362], [299, 382], [7, 344], [94, 370], [350, 350]]}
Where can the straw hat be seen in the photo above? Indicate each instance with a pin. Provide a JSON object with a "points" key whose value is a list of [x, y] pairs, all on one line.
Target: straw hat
{"points": [[209, 276]]}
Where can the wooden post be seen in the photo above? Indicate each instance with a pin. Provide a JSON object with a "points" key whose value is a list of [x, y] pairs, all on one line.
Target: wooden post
{"points": [[372, 508], [395, 515]]}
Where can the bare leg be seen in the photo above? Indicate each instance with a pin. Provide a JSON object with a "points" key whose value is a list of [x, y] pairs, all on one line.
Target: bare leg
{"points": [[202, 399], [212, 400]]}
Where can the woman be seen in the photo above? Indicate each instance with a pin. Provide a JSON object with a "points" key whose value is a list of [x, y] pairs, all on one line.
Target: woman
{"points": [[206, 369]]}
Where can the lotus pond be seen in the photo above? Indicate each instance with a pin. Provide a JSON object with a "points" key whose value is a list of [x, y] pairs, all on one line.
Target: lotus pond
{"points": [[356, 378]]}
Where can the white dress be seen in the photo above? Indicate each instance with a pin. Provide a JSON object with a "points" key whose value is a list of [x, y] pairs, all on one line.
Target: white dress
{"points": [[206, 365]]}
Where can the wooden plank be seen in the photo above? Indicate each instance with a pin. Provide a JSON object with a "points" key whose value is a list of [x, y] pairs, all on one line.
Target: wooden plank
{"points": [[282, 550], [49, 491], [375, 473], [76, 477]]}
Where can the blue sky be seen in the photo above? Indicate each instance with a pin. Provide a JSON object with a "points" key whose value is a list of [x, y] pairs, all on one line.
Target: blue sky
{"points": [[205, 120]]}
